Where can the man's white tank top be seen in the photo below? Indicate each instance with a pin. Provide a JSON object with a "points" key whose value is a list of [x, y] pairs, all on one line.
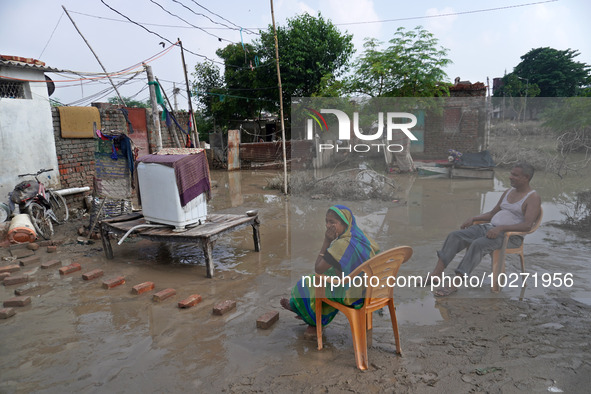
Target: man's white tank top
{"points": [[510, 213]]}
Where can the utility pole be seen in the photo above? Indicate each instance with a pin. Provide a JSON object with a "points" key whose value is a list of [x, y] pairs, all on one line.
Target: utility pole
{"points": [[526, 89], [196, 134], [175, 91], [170, 129], [280, 102], [95, 55], [154, 116]]}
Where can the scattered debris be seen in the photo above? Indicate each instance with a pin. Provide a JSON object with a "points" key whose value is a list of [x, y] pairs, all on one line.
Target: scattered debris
{"points": [[353, 184]]}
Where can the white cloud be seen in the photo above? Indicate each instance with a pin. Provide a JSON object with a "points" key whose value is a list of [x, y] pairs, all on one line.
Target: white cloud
{"points": [[347, 11]]}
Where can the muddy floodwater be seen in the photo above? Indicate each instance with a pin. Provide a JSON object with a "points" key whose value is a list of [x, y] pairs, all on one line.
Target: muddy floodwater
{"points": [[76, 336]]}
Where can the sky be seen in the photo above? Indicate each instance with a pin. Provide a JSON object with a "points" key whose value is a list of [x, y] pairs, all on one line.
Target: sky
{"points": [[485, 38]]}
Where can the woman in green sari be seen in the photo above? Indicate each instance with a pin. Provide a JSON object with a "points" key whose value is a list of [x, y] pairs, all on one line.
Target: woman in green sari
{"points": [[345, 248]]}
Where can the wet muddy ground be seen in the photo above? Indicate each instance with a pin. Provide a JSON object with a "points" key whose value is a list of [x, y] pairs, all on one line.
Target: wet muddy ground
{"points": [[78, 337]]}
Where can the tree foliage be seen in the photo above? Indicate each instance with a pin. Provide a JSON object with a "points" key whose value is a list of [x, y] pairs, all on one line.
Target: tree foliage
{"points": [[311, 49], [129, 102], [514, 86], [555, 72], [208, 81], [411, 66], [243, 96]]}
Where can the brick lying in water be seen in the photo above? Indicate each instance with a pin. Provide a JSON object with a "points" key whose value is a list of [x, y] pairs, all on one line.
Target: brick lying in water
{"points": [[92, 274], [16, 279], [190, 301], [17, 301], [267, 320], [142, 288], [10, 268], [224, 307], [164, 294], [5, 313], [30, 260], [109, 284], [27, 289], [68, 269], [22, 253], [51, 264]]}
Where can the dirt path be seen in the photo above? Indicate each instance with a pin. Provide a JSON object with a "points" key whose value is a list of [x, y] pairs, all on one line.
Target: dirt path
{"points": [[492, 346]]}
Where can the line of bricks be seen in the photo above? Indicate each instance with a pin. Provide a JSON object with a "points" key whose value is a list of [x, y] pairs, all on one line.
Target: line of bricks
{"points": [[25, 256], [28, 258]]}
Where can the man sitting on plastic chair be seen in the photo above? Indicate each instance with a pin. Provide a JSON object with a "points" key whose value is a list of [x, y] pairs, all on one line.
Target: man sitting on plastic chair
{"points": [[517, 210]]}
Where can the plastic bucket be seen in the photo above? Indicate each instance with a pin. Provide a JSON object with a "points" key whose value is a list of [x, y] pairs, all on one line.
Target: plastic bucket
{"points": [[21, 229], [4, 212]]}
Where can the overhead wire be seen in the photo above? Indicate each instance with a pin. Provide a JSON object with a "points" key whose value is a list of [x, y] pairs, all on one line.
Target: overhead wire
{"points": [[184, 47], [133, 96], [446, 14], [152, 24], [102, 93], [156, 34], [187, 22], [98, 75], [51, 35], [221, 17], [211, 20]]}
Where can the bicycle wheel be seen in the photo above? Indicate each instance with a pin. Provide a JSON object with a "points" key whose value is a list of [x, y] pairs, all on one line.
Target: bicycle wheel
{"points": [[58, 206], [40, 220]]}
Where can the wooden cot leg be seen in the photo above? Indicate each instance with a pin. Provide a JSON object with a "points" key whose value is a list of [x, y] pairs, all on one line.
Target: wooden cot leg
{"points": [[208, 252], [106, 242], [256, 235]]}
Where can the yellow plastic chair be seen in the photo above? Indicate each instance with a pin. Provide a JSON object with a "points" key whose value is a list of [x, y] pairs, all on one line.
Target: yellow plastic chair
{"points": [[381, 266], [498, 256]]}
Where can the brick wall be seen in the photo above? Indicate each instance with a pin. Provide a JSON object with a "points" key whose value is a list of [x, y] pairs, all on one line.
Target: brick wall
{"points": [[460, 125], [77, 157], [76, 162], [460, 134]]}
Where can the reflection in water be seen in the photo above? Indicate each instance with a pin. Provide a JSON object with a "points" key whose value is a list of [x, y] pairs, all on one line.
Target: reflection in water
{"points": [[235, 189], [225, 256]]}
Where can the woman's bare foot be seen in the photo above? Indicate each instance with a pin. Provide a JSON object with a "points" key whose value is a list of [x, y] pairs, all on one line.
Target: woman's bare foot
{"points": [[284, 302], [310, 333]]}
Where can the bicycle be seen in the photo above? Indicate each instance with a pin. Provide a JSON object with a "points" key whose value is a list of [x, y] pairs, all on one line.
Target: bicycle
{"points": [[41, 204]]}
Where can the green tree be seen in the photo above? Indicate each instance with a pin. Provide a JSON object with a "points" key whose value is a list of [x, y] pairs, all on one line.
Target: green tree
{"points": [[411, 66], [555, 72], [517, 90], [129, 102], [243, 95], [515, 86], [207, 83], [311, 51]]}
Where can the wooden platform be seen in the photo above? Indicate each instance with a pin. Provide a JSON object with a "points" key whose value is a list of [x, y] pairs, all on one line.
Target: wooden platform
{"points": [[471, 172], [205, 235]]}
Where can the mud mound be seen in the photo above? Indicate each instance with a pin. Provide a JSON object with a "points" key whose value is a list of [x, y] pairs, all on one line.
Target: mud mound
{"points": [[353, 185]]}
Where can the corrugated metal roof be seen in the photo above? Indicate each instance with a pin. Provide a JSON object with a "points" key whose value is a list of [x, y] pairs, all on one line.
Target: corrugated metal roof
{"points": [[26, 63]]}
